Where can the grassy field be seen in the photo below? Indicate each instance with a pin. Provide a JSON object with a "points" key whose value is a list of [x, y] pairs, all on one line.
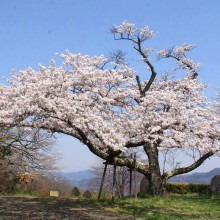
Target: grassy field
{"points": [[173, 207]]}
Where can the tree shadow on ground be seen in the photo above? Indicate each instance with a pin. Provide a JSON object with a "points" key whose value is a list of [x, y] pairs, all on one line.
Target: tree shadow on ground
{"points": [[24, 208]]}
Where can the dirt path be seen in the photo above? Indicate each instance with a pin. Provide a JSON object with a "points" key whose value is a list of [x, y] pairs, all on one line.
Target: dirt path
{"points": [[23, 208]]}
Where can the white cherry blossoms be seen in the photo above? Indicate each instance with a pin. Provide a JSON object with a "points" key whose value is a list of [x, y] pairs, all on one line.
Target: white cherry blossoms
{"points": [[137, 35], [78, 98], [175, 114], [179, 53], [111, 109], [131, 30]]}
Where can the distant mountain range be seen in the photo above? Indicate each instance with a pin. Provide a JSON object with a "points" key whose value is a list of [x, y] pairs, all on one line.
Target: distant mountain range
{"points": [[81, 179], [203, 178]]}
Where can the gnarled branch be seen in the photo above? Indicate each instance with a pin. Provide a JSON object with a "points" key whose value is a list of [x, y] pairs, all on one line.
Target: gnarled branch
{"points": [[193, 166]]}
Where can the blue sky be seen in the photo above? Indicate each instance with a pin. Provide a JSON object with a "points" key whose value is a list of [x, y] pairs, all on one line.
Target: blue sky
{"points": [[32, 31]]}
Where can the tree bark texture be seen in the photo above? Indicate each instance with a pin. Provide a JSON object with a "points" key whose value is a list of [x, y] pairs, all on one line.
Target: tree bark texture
{"points": [[157, 183]]}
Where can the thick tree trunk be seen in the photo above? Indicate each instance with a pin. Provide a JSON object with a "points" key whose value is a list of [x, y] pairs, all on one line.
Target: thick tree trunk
{"points": [[157, 183]]}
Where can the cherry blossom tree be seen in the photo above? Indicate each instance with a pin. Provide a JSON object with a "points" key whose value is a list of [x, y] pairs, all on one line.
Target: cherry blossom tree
{"points": [[110, 109]]}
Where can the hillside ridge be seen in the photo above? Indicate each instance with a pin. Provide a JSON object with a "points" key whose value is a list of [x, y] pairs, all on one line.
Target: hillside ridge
{"points": [[81, 178]]}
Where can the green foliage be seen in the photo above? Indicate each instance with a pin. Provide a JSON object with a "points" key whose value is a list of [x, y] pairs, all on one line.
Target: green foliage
{"points": [[87, 194], [27, 192], [105, 195], [4, 151], [6, 190], [175, 206], [7, 182], [75, 192], [184, 188]]}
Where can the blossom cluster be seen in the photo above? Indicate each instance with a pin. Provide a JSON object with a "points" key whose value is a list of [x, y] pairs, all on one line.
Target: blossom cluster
{"points": [[77, 96], [104, 108], [131, 30], [179, 53]]}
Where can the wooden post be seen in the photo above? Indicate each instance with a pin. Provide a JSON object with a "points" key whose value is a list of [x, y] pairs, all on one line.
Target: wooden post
{"points": [[103, 179], [135, 177], [122, 185], [114, 181], [130, 183]]}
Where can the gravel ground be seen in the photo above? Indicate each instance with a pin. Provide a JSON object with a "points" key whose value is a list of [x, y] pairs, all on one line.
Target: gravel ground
{"points": [[26, 208]]}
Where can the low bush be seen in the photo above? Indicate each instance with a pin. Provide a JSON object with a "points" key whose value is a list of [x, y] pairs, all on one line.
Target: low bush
{"points": [[185, 188], [87, 194], [75, 192], [26, 192]]}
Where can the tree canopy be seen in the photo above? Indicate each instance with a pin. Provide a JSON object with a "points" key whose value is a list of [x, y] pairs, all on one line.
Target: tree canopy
{"points": [[104, 103]]}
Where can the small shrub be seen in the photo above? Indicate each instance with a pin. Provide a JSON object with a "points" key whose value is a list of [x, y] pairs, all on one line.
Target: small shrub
{"points": [[105, 195], [75, 192], [184, 188], [87, 194], [26, 192]]}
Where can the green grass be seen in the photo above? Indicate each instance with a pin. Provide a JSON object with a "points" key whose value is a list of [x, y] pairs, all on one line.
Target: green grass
{"points": [[173, 207]]}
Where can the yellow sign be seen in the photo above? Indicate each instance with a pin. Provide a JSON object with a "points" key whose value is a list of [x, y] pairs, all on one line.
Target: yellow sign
{"points": [[54, 193]]}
